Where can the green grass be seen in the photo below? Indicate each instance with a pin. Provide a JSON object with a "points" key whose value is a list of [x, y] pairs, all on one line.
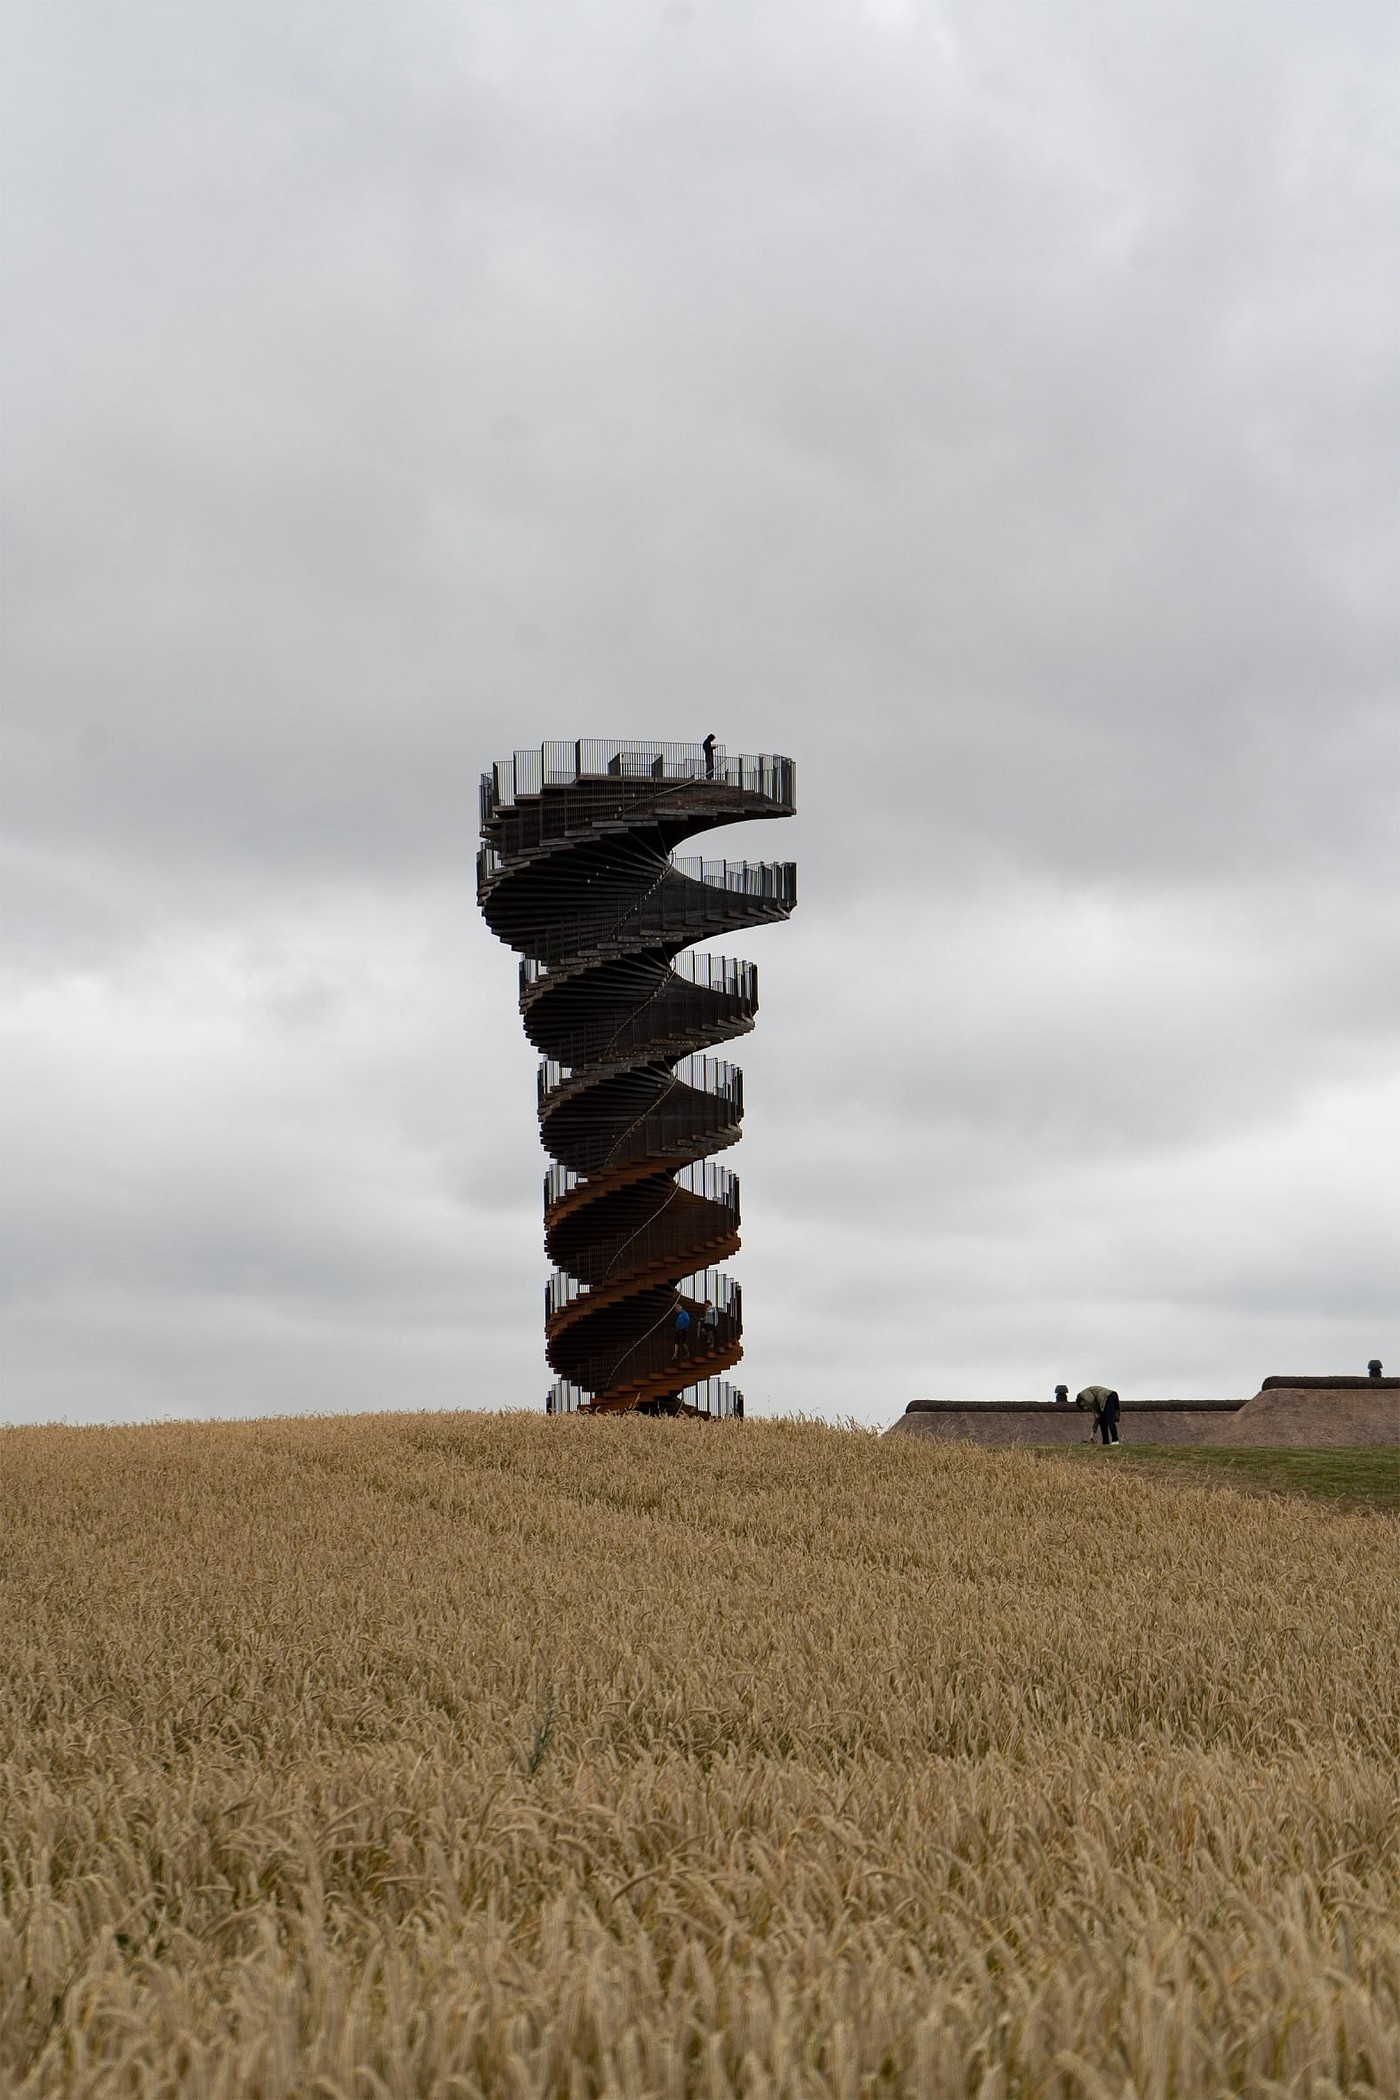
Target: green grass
{"points": [[1368, 1478]]}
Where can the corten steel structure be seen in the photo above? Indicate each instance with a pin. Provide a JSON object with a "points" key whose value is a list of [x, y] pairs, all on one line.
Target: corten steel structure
{"points": [[578, 873]]}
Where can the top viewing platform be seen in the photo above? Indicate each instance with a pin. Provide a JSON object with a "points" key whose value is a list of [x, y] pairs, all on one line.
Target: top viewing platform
{"points": [[765, 777]]}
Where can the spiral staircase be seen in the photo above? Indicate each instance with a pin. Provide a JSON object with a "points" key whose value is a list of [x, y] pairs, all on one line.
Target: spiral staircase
{"points": [[578, 873]]}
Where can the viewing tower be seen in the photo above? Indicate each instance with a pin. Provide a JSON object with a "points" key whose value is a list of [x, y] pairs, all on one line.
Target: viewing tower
{"points": [[578, 873]]}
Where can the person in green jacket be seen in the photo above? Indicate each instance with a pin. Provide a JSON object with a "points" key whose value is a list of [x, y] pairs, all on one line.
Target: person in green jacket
{"points": [[1104, 1402]]}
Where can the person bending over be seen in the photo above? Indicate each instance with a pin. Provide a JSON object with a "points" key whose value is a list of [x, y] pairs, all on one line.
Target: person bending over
{"points": [[1105, 1405]]}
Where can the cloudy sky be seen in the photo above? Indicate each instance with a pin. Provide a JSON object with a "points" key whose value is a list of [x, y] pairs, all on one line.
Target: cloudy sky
{"points": [[993, 406]]}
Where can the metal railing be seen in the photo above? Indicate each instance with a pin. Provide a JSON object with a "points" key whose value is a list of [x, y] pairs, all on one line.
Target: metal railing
{"points": [[712, 1075], [660, 1347], [559, 1181], [717, 1398], [672, 912], [721, 1290], [672, 1134], [674, 1014], [657, 1346], [716, 1184], [773, 880], [561, 1290], [562, 764], [651, 1119], [714, 1398], [701, 1178], [679, 911], [673, 1234], [709, 973], [703, 1075], [552, 1074], [719, 973]]}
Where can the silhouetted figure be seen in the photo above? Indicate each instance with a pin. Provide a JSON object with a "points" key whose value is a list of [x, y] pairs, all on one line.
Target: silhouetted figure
{"points": [[1104, 1403], [708, 747], [1062, 1396], [1373, 1368]]}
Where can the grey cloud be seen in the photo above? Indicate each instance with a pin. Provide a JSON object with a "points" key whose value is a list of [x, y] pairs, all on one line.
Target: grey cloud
{"points": [[994, 409]]}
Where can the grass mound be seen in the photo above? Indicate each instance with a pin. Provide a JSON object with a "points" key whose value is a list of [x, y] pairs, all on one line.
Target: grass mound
{"points": [[1362, 1478], [465, 1755]]}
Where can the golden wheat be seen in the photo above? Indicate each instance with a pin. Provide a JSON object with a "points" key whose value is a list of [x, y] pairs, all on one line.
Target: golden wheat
{"points": [[470, 1755]]}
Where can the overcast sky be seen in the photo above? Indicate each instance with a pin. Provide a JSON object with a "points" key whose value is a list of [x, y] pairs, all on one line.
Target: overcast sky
{"points": [[993, 406]]}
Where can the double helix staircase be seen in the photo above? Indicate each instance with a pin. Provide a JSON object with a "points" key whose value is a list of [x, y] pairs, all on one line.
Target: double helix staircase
{"points": [[578, 872]]}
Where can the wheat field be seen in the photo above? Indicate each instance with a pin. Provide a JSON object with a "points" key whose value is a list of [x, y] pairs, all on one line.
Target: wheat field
{"points": [[490, 1755]]}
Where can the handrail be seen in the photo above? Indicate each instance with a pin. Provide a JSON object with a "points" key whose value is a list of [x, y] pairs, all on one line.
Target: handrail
{"points": [[657, 1243], [772, 880], [681, 913], [714, 1397], [731, 976], [703, 972], [555, 1296], [682, 910], [703, 1075], [556, 764], [648, 1226], [769, 879], [559, 1182], [702, 1177], [562, 1289], [726, 1295], [650, 1109]]}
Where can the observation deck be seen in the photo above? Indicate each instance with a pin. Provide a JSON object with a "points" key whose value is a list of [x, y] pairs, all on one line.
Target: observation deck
{"points": [[579, 873]]}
